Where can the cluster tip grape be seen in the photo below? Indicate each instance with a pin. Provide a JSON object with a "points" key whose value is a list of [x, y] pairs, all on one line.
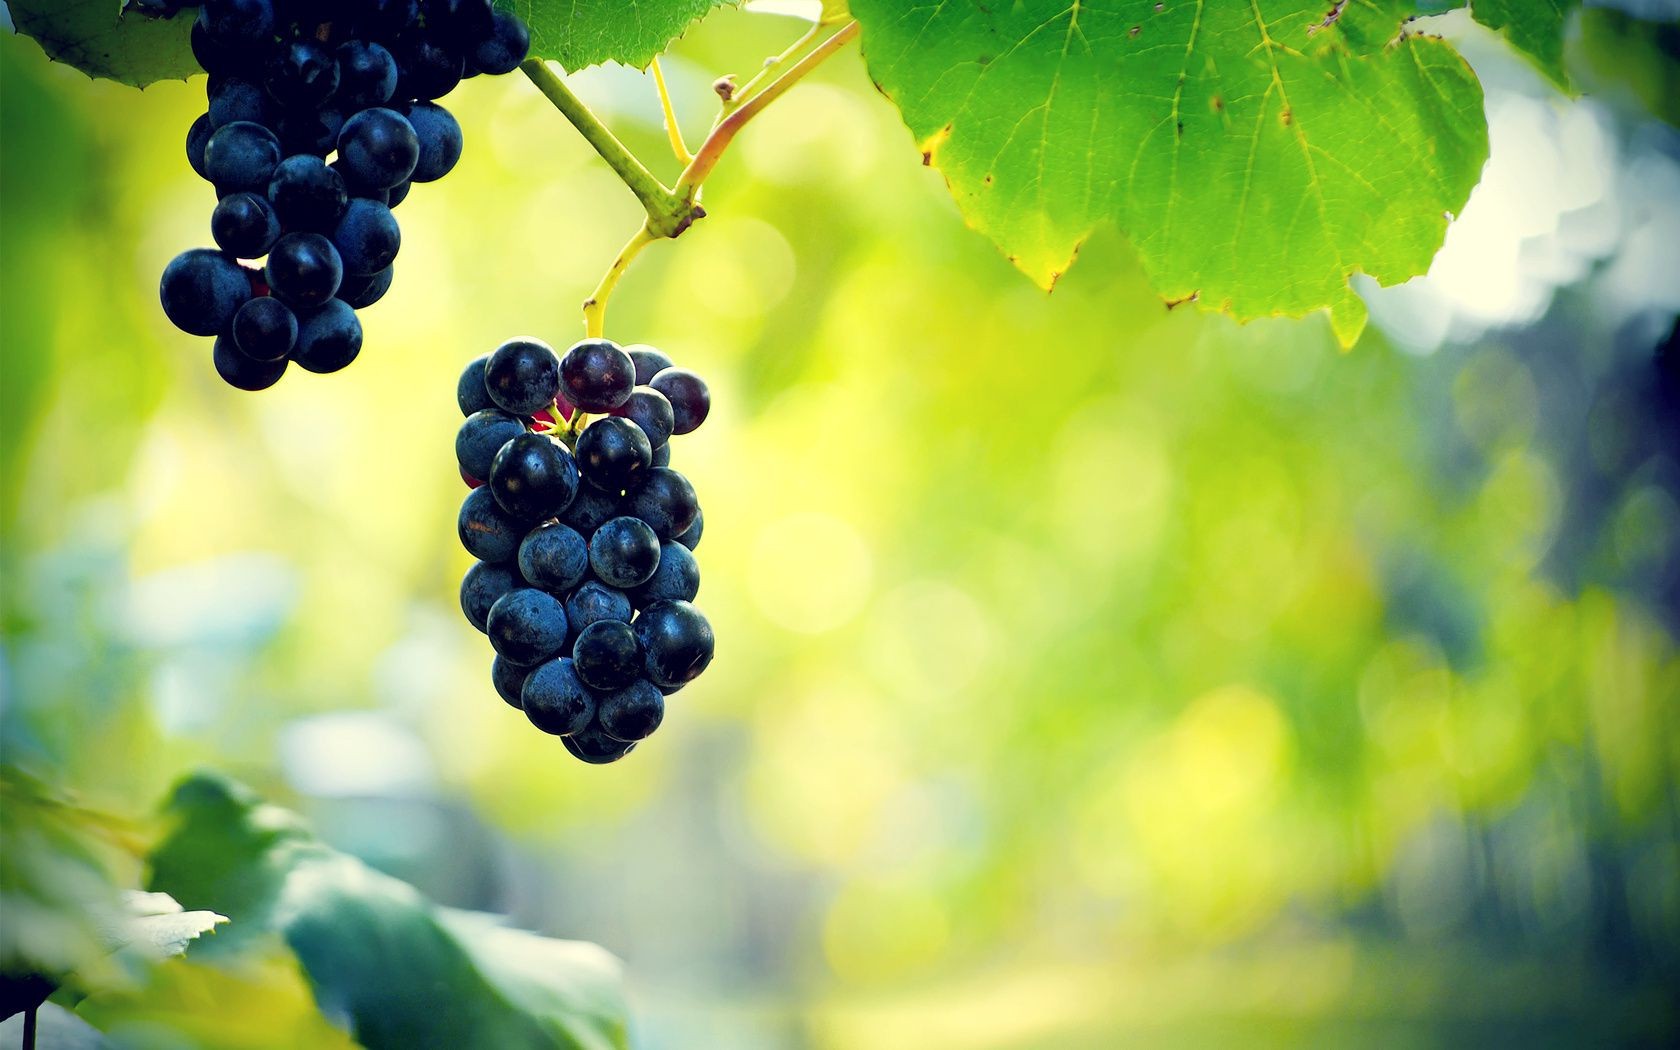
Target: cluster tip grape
{"points": [[322, 115], [586, 579]]}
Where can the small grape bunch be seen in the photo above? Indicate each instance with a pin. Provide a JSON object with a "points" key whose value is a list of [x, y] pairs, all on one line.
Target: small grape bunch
{"points": [[321, 116], [585, 579]]}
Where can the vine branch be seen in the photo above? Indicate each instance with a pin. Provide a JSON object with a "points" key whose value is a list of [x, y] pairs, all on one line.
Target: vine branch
{"points": [[655, 197], [672, 210], [745, 108]]}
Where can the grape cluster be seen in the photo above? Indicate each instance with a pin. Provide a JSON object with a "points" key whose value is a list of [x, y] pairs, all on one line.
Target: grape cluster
{"points": [[585, 579], [321, 117]]}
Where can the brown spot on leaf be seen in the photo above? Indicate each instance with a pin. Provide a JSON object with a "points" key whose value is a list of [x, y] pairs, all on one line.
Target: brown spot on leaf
{"points": [[1218, 103], [930, 145], [1330, 17], [1135, 31], [1181, 300], [1287, 116]]}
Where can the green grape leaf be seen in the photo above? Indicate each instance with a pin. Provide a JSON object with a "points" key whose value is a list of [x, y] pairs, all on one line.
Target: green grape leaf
{"points": [[400, 970], [1255, 155], [1534, 27], [103, 38], [579, 33]]}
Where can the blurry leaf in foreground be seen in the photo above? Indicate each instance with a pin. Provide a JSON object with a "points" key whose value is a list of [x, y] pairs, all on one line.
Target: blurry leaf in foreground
{"points": [[56, 889], [260, 1001], [157, 926], [396, 969]]}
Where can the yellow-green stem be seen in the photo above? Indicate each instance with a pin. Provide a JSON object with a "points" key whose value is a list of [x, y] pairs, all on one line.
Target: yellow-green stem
{"points": [[595, 307]]}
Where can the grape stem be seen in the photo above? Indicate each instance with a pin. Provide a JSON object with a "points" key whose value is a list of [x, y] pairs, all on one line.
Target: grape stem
{"points": [[671, 210], [595, 307], [673, 131], [747, 103], [667, 213]]}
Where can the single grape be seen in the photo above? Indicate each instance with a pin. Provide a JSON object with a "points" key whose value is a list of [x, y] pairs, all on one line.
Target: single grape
{"points": [[553, 557], [363, 291], [650, 410], [527, 626], [488, 532], [665, 500], [201, 290], [236, 99], [648, 361], [612, 453], [675, 578], [198, 136], [523, 376], [378, 148], [367, 237], [244, 225], [459, 18], [470, 393], [662, 456], [241, 371], [265, 329], [481, 436], [238, 22], [676, 643], [556, 700], [385, 19], [429, 70], [308, 195], [533, 477], [595, 747], [302, 74], [312, 131], [440, 140], [241, 156], [606, 655], [596, 375], [329, 337], [507, 44], [690, 400], [303, 269], [631, 713], [690, 537], [593, 602], [509, 679], [590, 508], [624, 553], [217, 57], [481, 586], [367, 74], [398, 193]]}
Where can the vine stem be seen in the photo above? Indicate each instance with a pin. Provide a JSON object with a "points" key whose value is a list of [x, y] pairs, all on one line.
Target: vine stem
{"points": [[739, 95], [673, 131], [653, 194], [595, 307], [706, 158], [31, 1017], [671, 210]]}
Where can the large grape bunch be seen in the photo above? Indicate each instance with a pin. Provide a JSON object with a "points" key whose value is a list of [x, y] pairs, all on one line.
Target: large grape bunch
{"points": [[321, 117], [586, 579]]}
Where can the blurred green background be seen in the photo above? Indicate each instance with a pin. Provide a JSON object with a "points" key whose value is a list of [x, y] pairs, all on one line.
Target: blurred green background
{"points": [[1088, 674]]}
